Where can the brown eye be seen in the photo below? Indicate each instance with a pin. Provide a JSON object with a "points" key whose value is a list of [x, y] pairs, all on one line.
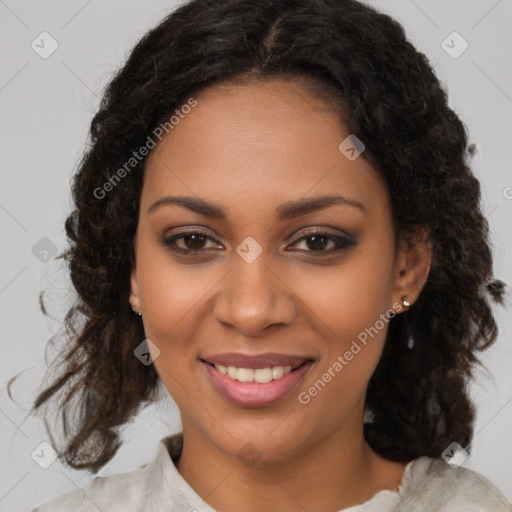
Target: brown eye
{"points": [[321, 244], [317, 242], [190, 242], [194, 241]]}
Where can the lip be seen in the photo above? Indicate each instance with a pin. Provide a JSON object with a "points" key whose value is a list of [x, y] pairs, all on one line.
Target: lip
{"points": [[255, 394], [256, 361]]}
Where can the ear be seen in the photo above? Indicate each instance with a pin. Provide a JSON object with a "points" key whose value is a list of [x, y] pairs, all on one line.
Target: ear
{"points": [[412, 266], [134, 291]]}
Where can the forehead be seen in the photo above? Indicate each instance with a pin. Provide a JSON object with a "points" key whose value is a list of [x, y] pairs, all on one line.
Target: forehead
{"points": [[246, 144]]}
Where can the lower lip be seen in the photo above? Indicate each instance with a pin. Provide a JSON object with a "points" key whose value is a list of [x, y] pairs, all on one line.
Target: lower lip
{"points": [[255, 394]]}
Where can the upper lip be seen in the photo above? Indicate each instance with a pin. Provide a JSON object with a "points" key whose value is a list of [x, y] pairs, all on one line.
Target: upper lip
{"points": [[256, 361]]}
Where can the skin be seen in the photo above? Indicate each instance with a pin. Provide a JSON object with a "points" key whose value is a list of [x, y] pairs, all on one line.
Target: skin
{"points": [[250, 148]]}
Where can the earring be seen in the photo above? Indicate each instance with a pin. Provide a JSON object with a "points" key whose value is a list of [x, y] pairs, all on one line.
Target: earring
{"points": [[405, 302], [407, 331], [138, 312]]}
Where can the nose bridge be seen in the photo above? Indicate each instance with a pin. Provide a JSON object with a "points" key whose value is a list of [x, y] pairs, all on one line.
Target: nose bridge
{"points": [[253, 297]]}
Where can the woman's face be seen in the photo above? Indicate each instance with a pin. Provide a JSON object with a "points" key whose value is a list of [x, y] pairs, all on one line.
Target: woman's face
{"points": [[276, 279]]}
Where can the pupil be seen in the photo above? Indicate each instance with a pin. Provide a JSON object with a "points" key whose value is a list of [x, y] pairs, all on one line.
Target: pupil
{"points": [[195, 241], [318, 242]]}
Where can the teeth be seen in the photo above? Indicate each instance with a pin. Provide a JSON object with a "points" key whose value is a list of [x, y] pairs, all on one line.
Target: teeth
{"points": [[277, 372], [232, 372], [245, 374], [261, 375]]}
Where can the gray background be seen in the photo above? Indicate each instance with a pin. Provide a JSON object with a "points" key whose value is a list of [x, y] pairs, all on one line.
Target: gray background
{"points": [[46, 106]]}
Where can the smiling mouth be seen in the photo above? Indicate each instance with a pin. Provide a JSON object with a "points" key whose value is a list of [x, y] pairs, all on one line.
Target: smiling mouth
{"points": [[256, 387], [257, 375]]}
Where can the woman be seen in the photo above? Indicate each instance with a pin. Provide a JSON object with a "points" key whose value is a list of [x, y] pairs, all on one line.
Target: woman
{"points": [[262, 225]]}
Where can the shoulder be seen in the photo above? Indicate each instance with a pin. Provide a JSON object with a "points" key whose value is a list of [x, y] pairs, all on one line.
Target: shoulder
{"points": [[132, 491], [435, 485], [102, 492]]}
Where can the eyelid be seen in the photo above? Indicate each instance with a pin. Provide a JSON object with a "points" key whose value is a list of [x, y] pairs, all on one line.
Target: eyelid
{"points": [[168, 239], [320, 230], [342, 241]]}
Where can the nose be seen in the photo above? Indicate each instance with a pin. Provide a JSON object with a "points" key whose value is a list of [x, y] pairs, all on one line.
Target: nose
{"points": [[254, 298]]}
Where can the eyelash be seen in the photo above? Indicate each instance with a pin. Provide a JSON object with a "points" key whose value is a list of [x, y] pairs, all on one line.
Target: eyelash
{"points": [[340, 241]]}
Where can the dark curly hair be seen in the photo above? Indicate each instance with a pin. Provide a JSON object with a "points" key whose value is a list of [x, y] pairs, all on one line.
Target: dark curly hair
{"points": [[361, 62]]}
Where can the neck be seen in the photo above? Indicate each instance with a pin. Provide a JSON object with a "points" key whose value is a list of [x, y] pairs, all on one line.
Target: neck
{"points": [[338, 472]]}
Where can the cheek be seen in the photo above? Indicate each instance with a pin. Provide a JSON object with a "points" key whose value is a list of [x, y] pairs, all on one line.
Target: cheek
{"points": [[351, 304], [351, 296], [170, 293], [351, 325]]}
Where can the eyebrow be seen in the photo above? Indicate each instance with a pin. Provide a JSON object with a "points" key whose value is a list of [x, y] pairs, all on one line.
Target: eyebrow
{"points": [[285, 211]]}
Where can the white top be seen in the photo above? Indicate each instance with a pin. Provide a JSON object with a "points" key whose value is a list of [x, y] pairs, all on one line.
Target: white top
{"points": [[428, 485]]}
